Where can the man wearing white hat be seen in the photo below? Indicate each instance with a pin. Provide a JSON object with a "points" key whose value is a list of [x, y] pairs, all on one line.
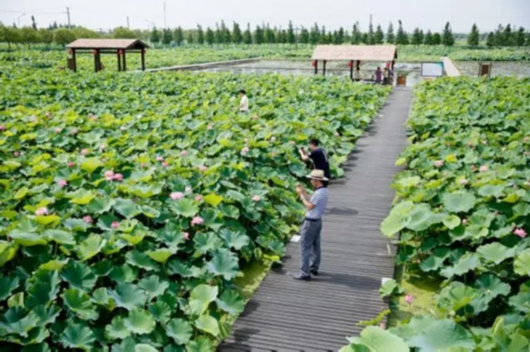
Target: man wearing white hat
{"points": [[310, 254]]}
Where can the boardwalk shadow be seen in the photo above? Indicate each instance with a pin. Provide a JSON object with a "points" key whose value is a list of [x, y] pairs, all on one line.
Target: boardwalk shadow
{"points": [[251, 306], [341, 211], [358, 282]]}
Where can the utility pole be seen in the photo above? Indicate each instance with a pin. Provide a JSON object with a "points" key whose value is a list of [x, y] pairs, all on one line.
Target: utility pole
{"points": [[128, 26], [165, 19], [68, 14]]}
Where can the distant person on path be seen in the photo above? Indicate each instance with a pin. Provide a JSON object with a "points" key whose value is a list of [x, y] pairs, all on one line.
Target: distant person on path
{"points": [[319, 158], [378, 73], [310, 250], [243, 105]]}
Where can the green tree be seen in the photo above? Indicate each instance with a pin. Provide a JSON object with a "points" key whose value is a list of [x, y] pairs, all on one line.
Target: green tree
{"points": [[401, 36], [490, 40], [304, 36], [225, 33], [11, 36], [218, 37], [82, 32], [520, 37], [507, 36], [270, 35], [258, 35], [417, 37], [46, 36], [390, 37], [282, 36], [370, 34], [210, 36], [247, 36], [379, 36], [155, 36], [237, 36], [290, 34], [447, 37], [314, 34], [123, 33], [473, 36], [63, 36], [178, 35], [29, 36], [356, 35], [365, 38], [189, 39], [428, 40], [436, 39], [340, 36], [200, 35]]}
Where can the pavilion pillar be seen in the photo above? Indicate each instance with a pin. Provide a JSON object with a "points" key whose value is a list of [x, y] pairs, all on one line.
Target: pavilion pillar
{"points": [[118, 53], [124, 61], [315, 65], [74, 62], [96, 60], [324, 68], [143, 59], [351, 70]]}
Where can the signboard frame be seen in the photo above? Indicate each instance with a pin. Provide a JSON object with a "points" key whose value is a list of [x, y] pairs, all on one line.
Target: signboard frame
{"points": [[438, 63]]}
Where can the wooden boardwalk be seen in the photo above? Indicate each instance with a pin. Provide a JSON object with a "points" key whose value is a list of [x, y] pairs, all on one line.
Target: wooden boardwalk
{"points": [[289, 315]]}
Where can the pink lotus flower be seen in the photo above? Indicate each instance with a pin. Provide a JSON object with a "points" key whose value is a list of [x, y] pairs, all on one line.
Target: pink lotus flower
{"points": [[473, 167], [102, 147], [58, 130], [495, 213], [197, 221], [48, 114], [70, 164], [142, 165], [485, 142], [337, 134], [159, 158], [245, 150], [184, 153], [186, 236], [115, 225], [463, 181], [409, 298], [41, 211], [176, 195], [465, 221], [74, 131], [438, 163], [109, 175], [255, 117], [16, 153], [273, 139], [84, 151], [123, 128], [256, 198], [199, 198], [209, 127], [62, 183], [519, 232], [292, 142], [484, 168], [165, 164], [273, 154], [2, 127], [188, 190], [526, 139], [202, 168], [117, 177], [88, 219]]}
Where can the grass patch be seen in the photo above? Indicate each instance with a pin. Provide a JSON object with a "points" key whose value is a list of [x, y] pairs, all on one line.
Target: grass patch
{"points": [[423, 290]]}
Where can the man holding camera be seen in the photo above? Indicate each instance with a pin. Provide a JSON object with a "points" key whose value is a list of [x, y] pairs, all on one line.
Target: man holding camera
{"points": [[310, 251]]}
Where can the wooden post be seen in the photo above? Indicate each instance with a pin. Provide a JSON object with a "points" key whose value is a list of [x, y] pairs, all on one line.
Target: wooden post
{"points": [[96, 66], [74, 60], [143, 59], [124, 61], [316, 66], [351, 70], [119, 59], [324, 68]]}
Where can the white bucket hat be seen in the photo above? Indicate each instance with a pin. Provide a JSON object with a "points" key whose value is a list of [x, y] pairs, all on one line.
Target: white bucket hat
{"points": [[317, 175]]}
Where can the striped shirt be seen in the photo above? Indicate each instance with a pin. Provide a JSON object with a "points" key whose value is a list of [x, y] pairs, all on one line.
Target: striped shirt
{"points": [[320, 200]]}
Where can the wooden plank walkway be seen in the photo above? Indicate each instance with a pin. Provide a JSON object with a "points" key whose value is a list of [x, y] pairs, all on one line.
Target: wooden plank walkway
{"points": [[289, 315]]}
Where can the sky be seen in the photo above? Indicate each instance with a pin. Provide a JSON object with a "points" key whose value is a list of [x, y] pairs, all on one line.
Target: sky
{"points": [[425, 14]]}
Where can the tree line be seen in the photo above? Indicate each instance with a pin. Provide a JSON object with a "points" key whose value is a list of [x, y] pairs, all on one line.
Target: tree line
{"points": [[265, 34]]}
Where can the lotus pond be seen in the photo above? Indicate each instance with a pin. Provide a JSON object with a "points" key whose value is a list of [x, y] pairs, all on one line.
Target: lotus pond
{"points": [[130, 201]]}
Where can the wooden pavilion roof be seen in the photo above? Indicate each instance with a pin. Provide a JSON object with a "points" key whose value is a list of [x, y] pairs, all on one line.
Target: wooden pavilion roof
{"points": [[125, 44], [355, 52]]}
